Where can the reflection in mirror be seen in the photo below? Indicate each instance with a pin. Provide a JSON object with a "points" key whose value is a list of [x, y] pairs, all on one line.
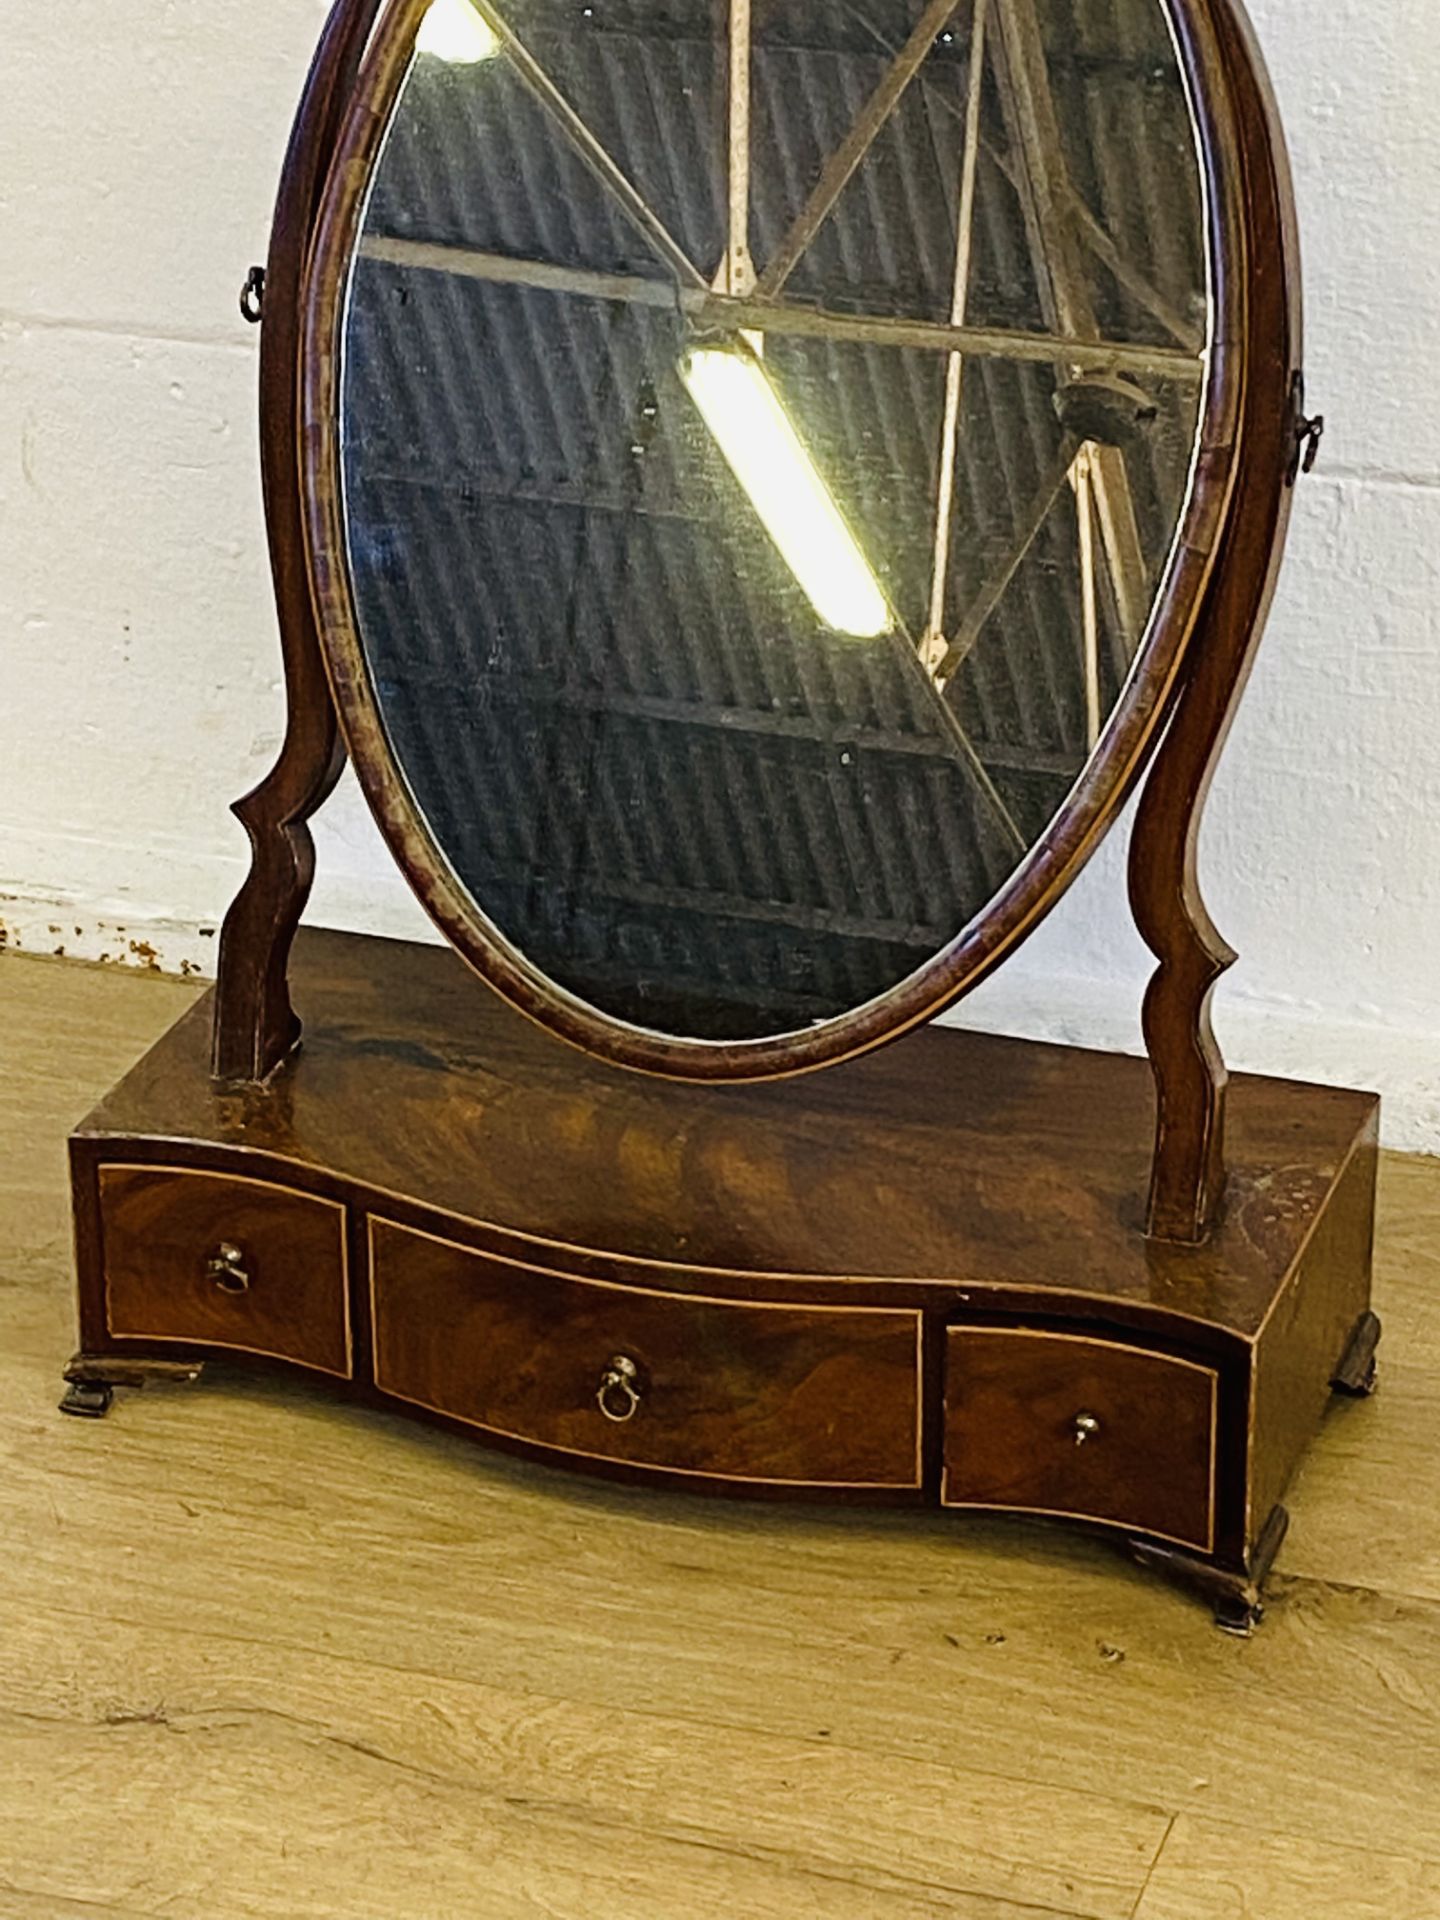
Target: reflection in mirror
{"points": [[765, 430]]}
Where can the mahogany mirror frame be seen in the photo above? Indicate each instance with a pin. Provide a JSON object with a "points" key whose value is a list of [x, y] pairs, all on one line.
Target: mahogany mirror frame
{"points": [[1173, 716]]}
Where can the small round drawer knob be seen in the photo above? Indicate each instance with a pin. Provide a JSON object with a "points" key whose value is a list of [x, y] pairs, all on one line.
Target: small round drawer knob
{"points": [[226, 1269], [1087, 1427], [618, 1395]]}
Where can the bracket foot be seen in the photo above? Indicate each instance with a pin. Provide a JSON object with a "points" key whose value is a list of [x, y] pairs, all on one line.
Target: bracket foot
{"points": [[1358, 1369], [1234, 1596], [87, 1399], [91, 1380]]}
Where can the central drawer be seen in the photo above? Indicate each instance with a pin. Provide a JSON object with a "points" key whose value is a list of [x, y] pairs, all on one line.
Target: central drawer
{"points": [[727, 1390]]}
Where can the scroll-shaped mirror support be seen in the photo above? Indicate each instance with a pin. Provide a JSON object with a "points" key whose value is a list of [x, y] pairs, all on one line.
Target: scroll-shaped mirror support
{"points": [[1188, 1173], [255, 1024]]}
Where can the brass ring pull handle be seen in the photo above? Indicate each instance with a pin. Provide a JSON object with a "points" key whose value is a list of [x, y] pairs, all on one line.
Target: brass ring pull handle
{"points": [[226, 1269], [1087, 1427], [618, 1395]]}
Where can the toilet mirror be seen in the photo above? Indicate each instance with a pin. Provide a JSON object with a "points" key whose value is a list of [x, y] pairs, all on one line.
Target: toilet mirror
{"points": [[763, 464]]}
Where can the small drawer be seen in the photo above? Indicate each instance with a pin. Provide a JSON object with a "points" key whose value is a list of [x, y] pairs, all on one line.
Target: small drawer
{"points": [[731, 1391], [221, 1260], [1078, 1425]]}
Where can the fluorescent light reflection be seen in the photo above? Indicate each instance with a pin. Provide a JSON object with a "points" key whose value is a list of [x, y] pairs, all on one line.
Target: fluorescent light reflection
{"points": [[753, 431], [456, 32]]}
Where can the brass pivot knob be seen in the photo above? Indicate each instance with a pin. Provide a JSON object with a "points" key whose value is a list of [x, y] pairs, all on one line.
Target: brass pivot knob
{"points": [[1087, 1427], [226, 1269], [618, 1395]]}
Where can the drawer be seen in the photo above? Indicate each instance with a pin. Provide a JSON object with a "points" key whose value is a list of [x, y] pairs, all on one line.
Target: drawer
{"points": [[802, 1396], [168, 1275], [1077, 1425]]}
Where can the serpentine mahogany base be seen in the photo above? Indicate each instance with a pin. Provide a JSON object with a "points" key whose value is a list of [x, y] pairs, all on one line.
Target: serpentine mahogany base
{"points": [[921, 1277]]}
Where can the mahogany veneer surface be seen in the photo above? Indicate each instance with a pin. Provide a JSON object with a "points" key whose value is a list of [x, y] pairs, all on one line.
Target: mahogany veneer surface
{"points": [[1012, 1400], [905, 1278], [733, 1390], [948, 1157], [160, 1230]]}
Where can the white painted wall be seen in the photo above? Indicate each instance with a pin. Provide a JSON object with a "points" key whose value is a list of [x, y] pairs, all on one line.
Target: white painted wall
{"points": [[140, 141]]}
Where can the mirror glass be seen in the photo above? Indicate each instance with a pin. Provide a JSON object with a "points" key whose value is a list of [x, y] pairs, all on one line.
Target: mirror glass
{"points": [[764, 432]]}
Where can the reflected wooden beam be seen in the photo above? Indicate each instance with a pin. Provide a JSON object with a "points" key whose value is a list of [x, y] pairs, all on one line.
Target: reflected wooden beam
{"points": [[856, 144], [737, 273], [1127, 275], [1120, 535], [1096, 241], [1012, 756], [1091, 232], [631, 202], [710, 311], [932, 641], [1081, 480], [742, 907], [1042, 177], [992, 589], [1047, 199], [909, 657]]}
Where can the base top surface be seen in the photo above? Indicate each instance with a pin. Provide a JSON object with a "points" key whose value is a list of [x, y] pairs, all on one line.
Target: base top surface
{"points": [[949, 1157]]}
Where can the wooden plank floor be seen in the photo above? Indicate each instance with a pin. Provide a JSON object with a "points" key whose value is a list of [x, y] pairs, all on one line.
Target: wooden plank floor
{"points": [[262, 1654]]}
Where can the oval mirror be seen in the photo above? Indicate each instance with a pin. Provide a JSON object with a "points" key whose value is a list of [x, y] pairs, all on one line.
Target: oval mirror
{"points": [[764, 460]]}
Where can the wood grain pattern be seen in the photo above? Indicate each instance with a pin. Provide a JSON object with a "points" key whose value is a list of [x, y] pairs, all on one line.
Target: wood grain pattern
{"points": [[19, 1903], [454, 1787], [737, 1392], [160, 1226], [1012, 1402], [1364, 1515], [322, 1544], [1056, 1666], [463, 1139], [1207, 1871], [955, 1158]]}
